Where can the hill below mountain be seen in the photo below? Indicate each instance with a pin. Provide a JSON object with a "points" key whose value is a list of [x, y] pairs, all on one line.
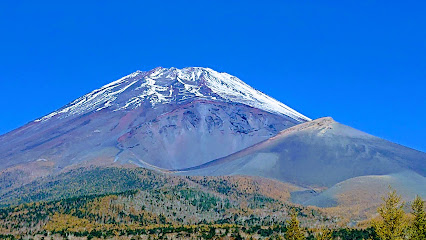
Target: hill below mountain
{"points": [[136, 199], [319, 153]]}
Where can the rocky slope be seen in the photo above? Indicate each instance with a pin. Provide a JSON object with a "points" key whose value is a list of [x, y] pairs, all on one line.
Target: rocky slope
{"points": [[317, 153]]}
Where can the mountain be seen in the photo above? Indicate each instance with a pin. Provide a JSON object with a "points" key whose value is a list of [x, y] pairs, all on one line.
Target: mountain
{"points": [[163, 118], [203, 125], [324, 154]]}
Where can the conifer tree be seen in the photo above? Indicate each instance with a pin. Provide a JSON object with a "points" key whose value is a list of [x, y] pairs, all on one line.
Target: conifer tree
{"points": [[418, 228], [324, 234], [391, 226], [294, 232]]}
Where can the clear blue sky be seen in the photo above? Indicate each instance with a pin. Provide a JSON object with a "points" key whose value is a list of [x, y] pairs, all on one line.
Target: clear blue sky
{"points": [[361, 62]]}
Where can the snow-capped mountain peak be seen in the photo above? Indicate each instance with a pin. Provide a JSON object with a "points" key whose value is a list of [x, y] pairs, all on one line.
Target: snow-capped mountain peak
{"points": [[172, 85]]}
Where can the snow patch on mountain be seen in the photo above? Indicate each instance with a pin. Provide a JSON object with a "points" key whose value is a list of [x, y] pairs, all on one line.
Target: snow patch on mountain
{"points": [[172, 85]]}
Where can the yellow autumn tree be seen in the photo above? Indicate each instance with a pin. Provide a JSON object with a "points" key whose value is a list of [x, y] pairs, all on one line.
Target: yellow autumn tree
{"points": [[294, 232], [391, 226], [418, 228], [324, 234]]}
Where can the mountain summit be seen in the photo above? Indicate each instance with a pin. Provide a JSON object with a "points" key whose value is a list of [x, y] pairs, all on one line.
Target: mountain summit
{"points": [[174, 86]]}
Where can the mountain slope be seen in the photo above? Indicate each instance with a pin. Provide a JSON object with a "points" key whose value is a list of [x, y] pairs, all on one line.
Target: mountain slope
{"points": [[113, 179], [167, 118], [317, 153]]}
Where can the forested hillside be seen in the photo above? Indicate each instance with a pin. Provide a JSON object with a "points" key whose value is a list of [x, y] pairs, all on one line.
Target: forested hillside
{"points": [[81, 200], [146, 204]]}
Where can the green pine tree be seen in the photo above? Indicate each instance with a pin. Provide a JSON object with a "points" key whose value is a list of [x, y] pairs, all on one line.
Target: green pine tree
{"points": [[418, 228]]}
